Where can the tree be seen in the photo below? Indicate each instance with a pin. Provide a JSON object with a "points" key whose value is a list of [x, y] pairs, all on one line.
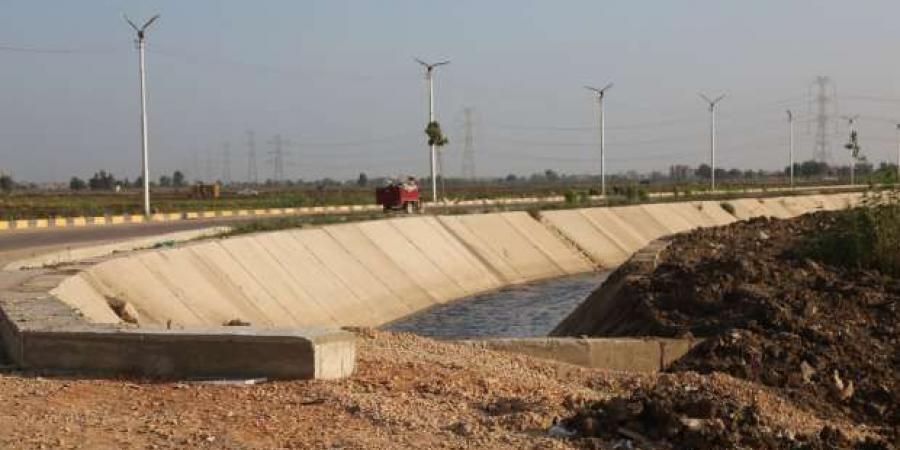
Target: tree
{"points": [[511, 178], [165, 181], [704, 171], [77, 184], [102, 181], [551, 175], [178, 179], [435, 135], [363, 180], [6, 183]]}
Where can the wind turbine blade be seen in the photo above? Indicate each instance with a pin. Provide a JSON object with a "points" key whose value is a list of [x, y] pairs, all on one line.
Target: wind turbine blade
{"points": [[719, 98], [591, 88], [608, 86], [130, 23], [704, 97], [441, 63], [420, 62], [147, 24]]}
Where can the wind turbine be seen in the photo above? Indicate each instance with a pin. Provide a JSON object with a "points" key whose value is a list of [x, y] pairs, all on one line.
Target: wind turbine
{"points": [[600, 94], [145, 169], [429, 75], [712, 137]]}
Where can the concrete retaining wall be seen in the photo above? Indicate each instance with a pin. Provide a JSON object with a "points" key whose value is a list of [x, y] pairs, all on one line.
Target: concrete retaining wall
{"points": [[626, 354], [39, 332]]}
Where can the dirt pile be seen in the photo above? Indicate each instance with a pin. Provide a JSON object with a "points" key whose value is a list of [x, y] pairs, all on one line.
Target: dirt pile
{"points": [[825, 337], [708, 412]]}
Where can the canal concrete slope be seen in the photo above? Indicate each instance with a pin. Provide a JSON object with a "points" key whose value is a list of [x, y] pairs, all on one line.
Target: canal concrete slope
{"points": [[372, 273], [356, 274], [609, 236]]}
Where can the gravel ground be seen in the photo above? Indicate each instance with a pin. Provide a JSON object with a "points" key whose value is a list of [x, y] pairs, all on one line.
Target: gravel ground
{"points": [[408, 392]]}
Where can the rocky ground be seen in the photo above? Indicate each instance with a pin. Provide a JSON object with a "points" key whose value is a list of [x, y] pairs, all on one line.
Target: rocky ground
{"points": [[408, 392], [824, 338]]}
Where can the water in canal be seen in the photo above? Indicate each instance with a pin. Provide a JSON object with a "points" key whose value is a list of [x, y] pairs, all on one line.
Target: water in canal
{"points": [[525, 310]]}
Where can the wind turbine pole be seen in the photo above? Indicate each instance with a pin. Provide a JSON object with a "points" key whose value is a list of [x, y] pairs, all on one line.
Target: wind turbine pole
{"points": [[429, 75], [600, 94], [433, 153], [712, 138], [791, 145], [145, 160]]}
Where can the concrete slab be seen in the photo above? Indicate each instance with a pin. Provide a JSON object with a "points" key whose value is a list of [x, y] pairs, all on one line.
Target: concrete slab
{"points": [[491, 256], [380, 304], [648, 355], [623, 234], [638, 219], [129, 280], [664, 214], [328, 292], [595, 243], [82, 296], [411, 260], [272, 275], [241, 287], [715, 212], [409, 295], [566, 257], [455, 261], [516, 249]]}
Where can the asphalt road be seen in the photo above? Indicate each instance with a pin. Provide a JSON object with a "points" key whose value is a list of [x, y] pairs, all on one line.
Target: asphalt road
{"points": [[16, 245]]}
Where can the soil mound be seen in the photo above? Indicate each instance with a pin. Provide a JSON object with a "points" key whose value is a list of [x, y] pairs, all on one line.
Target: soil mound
{"points": [[823, 336]]}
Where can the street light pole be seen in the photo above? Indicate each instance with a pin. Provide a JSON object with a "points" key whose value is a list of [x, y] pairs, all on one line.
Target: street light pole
{"points": [[145, 160], [429, 75], [600, 94], [851, 121], [791, 145], [712, 138]]}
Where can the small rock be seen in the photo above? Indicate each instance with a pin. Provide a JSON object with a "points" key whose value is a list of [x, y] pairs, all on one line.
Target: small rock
{"points": [[462, 428], [560, 431], [807, 371]]}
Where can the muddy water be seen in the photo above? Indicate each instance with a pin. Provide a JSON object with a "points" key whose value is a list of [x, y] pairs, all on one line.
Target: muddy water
{"points": [[526, 310]]}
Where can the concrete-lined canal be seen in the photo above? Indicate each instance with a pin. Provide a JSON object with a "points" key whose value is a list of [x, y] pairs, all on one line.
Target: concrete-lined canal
{"points": [[524, 310]]}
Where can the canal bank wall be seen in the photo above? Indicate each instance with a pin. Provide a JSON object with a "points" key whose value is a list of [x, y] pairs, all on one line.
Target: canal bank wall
{"points": [[372, 273]]}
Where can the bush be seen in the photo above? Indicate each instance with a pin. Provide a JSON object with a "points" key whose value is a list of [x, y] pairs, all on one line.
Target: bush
{"points": [[866, 237]]}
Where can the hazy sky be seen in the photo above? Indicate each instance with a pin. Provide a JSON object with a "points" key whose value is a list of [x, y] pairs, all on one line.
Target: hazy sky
{"points": [[336, 78]]}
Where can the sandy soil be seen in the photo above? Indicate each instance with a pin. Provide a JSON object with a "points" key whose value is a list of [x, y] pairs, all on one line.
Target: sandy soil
{"points": [[408, 392]]}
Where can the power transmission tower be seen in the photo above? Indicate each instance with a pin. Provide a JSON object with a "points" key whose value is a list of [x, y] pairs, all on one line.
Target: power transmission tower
{"points": [[826, 107], [278, 144], [252, 173], [468, 154], [208, 173], [226, 163]]}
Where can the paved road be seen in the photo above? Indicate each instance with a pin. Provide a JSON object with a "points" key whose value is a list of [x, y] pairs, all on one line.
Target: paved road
{"points": [[16, 245]]}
